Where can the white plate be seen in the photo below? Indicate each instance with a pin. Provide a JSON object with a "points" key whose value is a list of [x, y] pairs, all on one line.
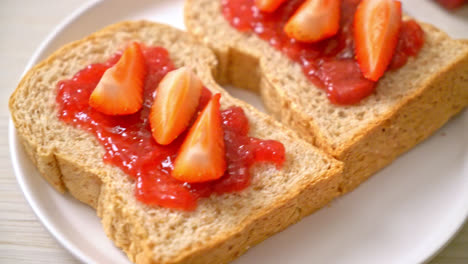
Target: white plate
{"points": [[404, 214]]}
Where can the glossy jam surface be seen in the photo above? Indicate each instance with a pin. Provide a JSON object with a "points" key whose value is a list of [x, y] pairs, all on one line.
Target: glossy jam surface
{"points": [[330, 64], [128, 142]]}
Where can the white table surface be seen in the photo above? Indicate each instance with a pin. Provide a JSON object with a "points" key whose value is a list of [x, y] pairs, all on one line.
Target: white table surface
{"points": [[23, 239]]}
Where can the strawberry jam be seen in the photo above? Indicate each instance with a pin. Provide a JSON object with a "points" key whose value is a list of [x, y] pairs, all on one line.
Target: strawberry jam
{"points": [[129, 144], [330, 64]]}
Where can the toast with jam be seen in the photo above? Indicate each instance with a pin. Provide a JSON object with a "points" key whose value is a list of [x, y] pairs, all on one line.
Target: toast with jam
{"points": [[358, 79], [130, 121]]}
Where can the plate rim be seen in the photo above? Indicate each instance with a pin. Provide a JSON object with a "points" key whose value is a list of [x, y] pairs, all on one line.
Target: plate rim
{"points": [[80, 255], [13, 139]]}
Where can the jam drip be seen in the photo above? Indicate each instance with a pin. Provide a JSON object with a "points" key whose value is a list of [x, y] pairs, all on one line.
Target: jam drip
{"points": [[329, 64], [129, 145]]}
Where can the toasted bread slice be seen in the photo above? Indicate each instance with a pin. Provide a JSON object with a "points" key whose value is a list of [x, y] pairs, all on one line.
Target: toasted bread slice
{"points": [[409, 104], [222, 227]]}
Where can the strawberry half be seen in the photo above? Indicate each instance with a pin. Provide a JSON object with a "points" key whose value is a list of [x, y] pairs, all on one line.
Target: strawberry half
{"points": [[177, 98], [268, 5], [202, 155], [377, 25], [120, 90], [315, 20]]}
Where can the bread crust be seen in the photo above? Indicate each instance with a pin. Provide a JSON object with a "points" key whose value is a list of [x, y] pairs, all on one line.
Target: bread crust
{"points": [[74, 163], [408, 124], [438, 96]]}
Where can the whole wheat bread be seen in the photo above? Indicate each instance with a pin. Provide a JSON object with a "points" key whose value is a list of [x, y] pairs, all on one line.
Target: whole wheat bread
{"points": [[409, 104], [222, 227]]}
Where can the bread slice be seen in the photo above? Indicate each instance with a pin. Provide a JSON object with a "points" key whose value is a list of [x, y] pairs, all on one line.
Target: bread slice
{"points": [[408, 105], [222, 227]]}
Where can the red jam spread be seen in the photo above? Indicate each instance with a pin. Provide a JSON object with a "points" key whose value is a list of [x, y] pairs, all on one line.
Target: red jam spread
{"points": [[330, 64], [129, 145]]}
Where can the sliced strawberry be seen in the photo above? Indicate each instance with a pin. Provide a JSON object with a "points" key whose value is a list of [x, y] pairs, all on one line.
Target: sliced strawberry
{"points": [[268, 5], [177, 98], [202, 155], [315, 20], [120, 90], [377, 25]]}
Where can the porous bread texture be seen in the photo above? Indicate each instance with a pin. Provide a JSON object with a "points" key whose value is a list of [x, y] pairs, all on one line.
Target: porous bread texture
{"points": [[409, 104], [222, 227]]}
